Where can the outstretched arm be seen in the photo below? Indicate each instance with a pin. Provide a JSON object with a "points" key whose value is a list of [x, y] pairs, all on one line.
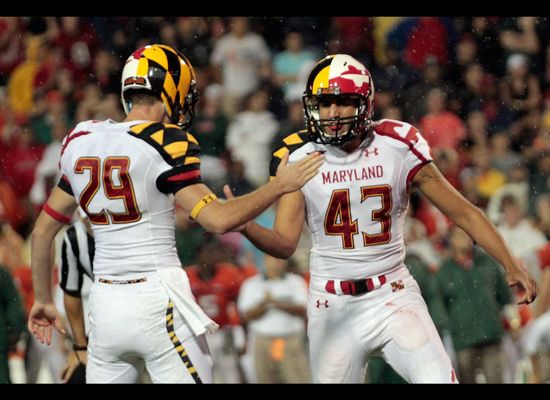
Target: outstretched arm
{"points": [[220, 217], [44, 314], [472, 220]]}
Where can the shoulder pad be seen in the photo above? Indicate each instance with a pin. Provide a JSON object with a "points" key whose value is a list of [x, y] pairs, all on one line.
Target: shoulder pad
{"points": [[397, 130], [173, 143], [289, 144]]}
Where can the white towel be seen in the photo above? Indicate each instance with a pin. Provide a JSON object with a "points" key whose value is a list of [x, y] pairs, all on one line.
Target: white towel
{"points": [[176, 282]]}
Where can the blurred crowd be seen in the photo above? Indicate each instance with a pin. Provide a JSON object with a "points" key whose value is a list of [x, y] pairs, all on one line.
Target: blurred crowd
{"points": [[478, 88]]}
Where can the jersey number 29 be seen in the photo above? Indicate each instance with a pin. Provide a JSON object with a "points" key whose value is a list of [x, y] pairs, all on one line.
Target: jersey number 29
{"points": [[124, 190]]}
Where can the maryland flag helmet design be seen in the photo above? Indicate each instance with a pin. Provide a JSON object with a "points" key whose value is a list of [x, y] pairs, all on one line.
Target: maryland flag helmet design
{"points": [[341, 78], [168, 75]]}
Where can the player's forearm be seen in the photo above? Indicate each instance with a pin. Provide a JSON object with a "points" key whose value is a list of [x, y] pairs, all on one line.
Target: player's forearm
{"points": [[269, 241], [478, 226], [49, 222], [463, 213], [41, 264], [231, 214]]}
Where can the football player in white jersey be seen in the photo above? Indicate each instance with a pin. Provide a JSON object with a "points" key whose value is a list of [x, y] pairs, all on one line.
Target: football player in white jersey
{"points": [[362, 298], [126, 176]]}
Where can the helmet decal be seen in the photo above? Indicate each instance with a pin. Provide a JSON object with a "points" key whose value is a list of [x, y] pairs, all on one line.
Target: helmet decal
{"points": [[352, 80]]}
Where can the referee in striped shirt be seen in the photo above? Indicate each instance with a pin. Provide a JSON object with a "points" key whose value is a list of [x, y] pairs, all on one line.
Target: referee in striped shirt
{"points": [[77, 256]]}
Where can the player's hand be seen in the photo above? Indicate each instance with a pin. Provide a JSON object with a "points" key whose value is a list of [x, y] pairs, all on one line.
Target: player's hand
{"points": [[229, 195], [293, 176], [74, 360], [522, 280], [41, 319]]}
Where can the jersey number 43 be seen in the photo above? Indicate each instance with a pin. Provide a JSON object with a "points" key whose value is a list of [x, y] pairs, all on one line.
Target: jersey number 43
{"points": [[339, 221]]}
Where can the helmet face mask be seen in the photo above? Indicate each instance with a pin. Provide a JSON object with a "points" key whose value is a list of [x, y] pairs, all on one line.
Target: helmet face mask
{"points": [[319, 127], [186, 114], [167, 75], [343, 80]]}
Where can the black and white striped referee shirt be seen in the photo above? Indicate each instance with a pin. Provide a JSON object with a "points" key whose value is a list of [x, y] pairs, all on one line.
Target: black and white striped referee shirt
{"points": [[77, 256]]}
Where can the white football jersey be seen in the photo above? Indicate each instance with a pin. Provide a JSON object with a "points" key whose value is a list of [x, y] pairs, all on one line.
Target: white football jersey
{"points": [[124, 175], [357, 204]]}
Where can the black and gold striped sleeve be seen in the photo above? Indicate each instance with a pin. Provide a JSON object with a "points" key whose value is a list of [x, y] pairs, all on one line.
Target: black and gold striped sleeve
{"points": [[290, 143], [178, 148]]}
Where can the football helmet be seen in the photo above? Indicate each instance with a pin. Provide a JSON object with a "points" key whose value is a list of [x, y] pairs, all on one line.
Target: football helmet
{"points": [[168, 75], [342, 78]]}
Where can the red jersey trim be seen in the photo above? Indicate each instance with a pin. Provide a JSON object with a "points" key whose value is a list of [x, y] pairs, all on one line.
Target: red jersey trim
{"points": [[185, 176], [412, 173], [71, 137]]}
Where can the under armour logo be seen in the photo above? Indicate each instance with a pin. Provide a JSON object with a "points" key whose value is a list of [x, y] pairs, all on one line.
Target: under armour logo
{"points": [[373, 151], [324, 303]]}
